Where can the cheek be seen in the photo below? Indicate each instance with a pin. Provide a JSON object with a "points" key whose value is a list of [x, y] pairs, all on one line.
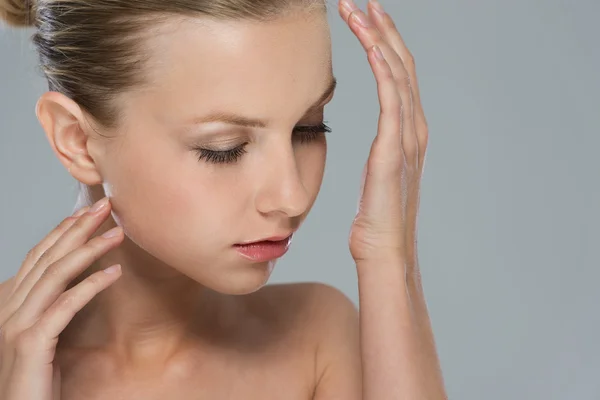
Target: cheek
{"points": [[161, 199], [141, 181], [311, 161]]}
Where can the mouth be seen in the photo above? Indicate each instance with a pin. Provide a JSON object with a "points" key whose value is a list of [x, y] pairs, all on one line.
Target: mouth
{"points": [[272, 239], [266, 249]]}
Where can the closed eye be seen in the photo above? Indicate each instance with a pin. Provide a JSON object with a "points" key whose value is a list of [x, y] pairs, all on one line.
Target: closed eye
{"points": [[304, 133]]}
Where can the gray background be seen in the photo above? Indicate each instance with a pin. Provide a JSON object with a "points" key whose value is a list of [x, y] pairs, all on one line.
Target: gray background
{"points": [[510, 200]]}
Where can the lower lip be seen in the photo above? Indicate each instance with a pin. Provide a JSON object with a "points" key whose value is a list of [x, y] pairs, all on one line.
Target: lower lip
{"points": [[264, 251]]}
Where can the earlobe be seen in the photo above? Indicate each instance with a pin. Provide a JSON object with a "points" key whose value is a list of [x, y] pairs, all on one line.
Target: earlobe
{"points": [[65, 127]]}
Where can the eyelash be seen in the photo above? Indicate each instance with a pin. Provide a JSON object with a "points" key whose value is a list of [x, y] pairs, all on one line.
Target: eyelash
{"points": [[308, 133]]}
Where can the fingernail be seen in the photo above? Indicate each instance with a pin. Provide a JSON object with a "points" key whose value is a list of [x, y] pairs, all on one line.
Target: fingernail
{"points": [[112, 269], [349, 6], [99, 205], [111, 232], [81, 211], [361, 18], [377, 7], [378, 53]]}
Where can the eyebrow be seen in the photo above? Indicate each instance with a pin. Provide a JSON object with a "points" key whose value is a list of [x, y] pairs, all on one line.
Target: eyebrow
{"points": [[240, 120]]}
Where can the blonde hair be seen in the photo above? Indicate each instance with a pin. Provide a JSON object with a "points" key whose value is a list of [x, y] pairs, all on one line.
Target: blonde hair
{"points": [[93, 50]]}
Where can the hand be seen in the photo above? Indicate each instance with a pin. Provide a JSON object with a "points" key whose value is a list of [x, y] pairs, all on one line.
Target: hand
{"points": [[385, 226], [38, 308]]}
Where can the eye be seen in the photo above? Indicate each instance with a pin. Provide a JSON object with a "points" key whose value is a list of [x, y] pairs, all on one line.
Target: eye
{"points": [[304, 133], [310, 133]]}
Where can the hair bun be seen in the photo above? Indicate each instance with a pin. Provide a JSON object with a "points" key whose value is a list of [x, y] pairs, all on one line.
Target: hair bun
{"points": [[18, 13]]}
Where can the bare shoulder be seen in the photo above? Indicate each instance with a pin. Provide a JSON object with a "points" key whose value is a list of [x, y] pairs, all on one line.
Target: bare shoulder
{"points": [[329, 320], [314, 302], [312, 311]]}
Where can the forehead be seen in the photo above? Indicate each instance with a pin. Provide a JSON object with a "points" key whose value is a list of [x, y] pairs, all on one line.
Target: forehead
{"points": [[260, 68]]}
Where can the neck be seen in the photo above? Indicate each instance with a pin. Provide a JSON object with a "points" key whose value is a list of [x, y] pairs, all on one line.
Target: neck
{"points": [[151, 312]]}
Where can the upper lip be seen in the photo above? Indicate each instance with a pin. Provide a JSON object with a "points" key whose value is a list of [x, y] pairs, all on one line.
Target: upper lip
{"points": [[275, 238]]}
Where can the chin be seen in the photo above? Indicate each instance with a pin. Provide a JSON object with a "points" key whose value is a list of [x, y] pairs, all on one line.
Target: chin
{"points": [[243, 279]]}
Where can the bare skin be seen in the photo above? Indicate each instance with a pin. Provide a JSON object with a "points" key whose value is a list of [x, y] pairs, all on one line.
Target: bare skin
{"points": [[185, 316], [265, 351]]}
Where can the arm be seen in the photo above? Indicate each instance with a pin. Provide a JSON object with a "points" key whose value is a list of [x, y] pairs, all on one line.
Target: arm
{"points": [[387, 353], [399, 359]]}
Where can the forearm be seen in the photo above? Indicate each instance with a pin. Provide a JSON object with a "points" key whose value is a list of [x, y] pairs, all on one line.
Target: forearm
{"points": [[398, 350]]}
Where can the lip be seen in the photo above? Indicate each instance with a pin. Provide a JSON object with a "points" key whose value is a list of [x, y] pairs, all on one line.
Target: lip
{"points": [[277, 238], [265, 250]]}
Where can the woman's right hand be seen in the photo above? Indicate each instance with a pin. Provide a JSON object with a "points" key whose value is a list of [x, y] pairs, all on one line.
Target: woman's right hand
{"points": [[38, 308]]}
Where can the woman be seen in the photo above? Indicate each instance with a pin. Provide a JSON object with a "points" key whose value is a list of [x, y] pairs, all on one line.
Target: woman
{"points": [[195, 129]]}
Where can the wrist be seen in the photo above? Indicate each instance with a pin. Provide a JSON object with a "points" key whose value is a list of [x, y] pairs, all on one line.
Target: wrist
{"points": [[386, 269], [384, 257], [385, 261], [391, 269]]}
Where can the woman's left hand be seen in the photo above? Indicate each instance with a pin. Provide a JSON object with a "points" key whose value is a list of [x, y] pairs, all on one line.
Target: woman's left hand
{"points": [[385, 227]]}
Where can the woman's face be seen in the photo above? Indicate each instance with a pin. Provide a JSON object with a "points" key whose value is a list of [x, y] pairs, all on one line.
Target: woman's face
{"points": [[180, 199]]}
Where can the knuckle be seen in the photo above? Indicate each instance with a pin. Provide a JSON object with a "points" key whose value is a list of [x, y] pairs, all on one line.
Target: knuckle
{"points": [[411, 160], [7, 334], [93, 281], [387, 74], [46, 257], [394, 114], [95, 245], [77, 221], [66, 220], [61, 224], [28, 340], [50, 272], [409, 144], [403, 81], [73, 224], [32, 255], [24, 341], [66, 301]]}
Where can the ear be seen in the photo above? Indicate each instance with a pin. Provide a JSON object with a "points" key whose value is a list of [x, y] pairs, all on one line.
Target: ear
{"points": [[66, 128]]}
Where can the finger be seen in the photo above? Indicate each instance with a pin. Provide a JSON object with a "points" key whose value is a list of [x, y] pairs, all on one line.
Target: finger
{"points": [[58, 276], [75, 235], [386, 26], [387, 154], [384, 184], [368, 36], [62, 311], [56, 318], [48, 241], [17, 295]]}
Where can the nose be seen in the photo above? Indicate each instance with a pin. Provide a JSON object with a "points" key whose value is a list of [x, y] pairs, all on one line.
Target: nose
{"points": [[282, 189]]}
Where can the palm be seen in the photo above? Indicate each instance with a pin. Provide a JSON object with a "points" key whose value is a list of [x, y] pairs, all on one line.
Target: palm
{"points": [[386, 221]]}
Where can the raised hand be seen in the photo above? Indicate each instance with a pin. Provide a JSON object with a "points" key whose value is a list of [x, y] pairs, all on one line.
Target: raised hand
{"points": [[386, 223], [39, 308], [398, 354]]}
